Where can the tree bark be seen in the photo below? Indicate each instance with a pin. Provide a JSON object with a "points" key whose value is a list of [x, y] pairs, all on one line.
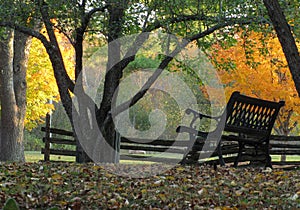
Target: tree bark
{"points": [[14, 48], [109, 149], [286, 39]]}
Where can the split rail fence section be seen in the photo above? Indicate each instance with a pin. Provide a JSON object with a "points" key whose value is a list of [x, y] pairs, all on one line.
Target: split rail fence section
{"points": [[173, 151]]}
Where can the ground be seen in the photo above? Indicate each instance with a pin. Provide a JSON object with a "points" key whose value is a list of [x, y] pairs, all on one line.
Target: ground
{"points": [[87, 186]]}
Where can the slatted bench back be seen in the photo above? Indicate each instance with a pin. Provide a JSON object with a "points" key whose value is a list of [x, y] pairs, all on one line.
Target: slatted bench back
{"points": [[251, 116]]}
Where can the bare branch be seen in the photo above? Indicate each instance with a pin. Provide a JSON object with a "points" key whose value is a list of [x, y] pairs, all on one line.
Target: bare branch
{"points": [[94, 10], [182, 18], [65, 34]]}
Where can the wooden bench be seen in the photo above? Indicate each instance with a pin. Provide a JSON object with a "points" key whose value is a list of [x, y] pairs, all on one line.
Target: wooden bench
{"points": [[246, 120]]}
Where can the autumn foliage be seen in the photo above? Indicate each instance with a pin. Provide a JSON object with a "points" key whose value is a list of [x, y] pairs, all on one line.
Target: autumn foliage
{"points": [[255, 65], [89, 186], [41, 83]]}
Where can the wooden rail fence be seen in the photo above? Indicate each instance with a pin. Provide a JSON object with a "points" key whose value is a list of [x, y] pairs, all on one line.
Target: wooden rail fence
{"points": [[173, 150]]}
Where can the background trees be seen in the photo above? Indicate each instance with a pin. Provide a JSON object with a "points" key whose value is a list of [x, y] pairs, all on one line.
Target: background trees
{"points": [[109, 20], [189, 19], [256, 66]]}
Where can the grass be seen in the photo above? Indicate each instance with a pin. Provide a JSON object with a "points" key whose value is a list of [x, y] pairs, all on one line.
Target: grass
{"points": [[288, 158], [35, 156]]}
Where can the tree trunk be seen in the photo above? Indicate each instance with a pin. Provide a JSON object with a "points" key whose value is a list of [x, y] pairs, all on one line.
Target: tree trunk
{"points": [[286, 39], [14, 49], [109, 149]]}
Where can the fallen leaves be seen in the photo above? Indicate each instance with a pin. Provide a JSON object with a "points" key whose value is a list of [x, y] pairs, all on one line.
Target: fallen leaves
{"points": [[88, 186]]}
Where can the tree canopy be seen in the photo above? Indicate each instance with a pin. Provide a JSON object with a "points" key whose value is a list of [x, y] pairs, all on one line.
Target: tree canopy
{"points": [[259, 70], [201, 21]]}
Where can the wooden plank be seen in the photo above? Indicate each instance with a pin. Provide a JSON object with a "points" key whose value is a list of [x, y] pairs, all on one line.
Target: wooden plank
{"points": [[61, 152], [286, 162], [46, 140], [216, 161], [61, 141], [161, 142], [285, 152], [149, 159], [154, 149], [284, 138], [58, 131], [285, 146]]}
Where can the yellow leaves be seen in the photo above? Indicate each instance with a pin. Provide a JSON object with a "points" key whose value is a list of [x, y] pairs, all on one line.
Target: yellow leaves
{"points": [[144, 191], [171, 178], [247, 185], [180, 169], [233, 183], [56, 179], [41, 84], [203, 192], [56, 176], [162, 196]]}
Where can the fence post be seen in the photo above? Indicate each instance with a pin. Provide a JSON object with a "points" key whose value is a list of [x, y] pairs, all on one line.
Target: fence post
{"points": [[47, 139]]}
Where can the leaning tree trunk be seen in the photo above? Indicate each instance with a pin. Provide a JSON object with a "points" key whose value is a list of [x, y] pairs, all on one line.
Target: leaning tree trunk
{"points": [[286, 39], [14, 48]]}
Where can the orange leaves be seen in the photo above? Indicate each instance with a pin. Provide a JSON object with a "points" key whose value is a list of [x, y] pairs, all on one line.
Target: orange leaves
{"points": [[259, 70]]}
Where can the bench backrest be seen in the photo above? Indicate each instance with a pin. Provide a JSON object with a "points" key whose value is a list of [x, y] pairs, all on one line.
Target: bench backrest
{"points": [[251, 116]]}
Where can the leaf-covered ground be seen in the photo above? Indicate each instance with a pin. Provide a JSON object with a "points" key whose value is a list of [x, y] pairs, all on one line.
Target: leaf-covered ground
{"points": [[74, 186]]}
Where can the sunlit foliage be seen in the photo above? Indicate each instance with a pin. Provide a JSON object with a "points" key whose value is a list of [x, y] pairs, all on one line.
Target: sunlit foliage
{"points": [[42, 88], [256, 66]]}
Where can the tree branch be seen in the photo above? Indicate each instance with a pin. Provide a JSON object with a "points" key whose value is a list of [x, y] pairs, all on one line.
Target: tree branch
{"points": [[124, 106], [26, 30], [183, 18], [61, 72], [94, 10]]}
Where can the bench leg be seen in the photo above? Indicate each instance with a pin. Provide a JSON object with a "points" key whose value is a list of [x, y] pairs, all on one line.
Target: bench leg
{"points": [[221, 160], [191, 158], [237, 159], [268, 157]]}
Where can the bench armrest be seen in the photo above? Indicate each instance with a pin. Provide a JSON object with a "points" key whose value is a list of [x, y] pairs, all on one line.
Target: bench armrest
{"points": [[185, 129], [200, 115], [197, 115]]}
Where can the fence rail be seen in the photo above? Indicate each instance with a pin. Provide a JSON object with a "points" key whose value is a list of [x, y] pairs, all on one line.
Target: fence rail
{"points": [[280, 145]]}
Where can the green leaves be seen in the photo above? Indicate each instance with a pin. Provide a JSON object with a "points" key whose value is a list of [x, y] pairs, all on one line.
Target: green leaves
{"points": [[11, 204]]}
